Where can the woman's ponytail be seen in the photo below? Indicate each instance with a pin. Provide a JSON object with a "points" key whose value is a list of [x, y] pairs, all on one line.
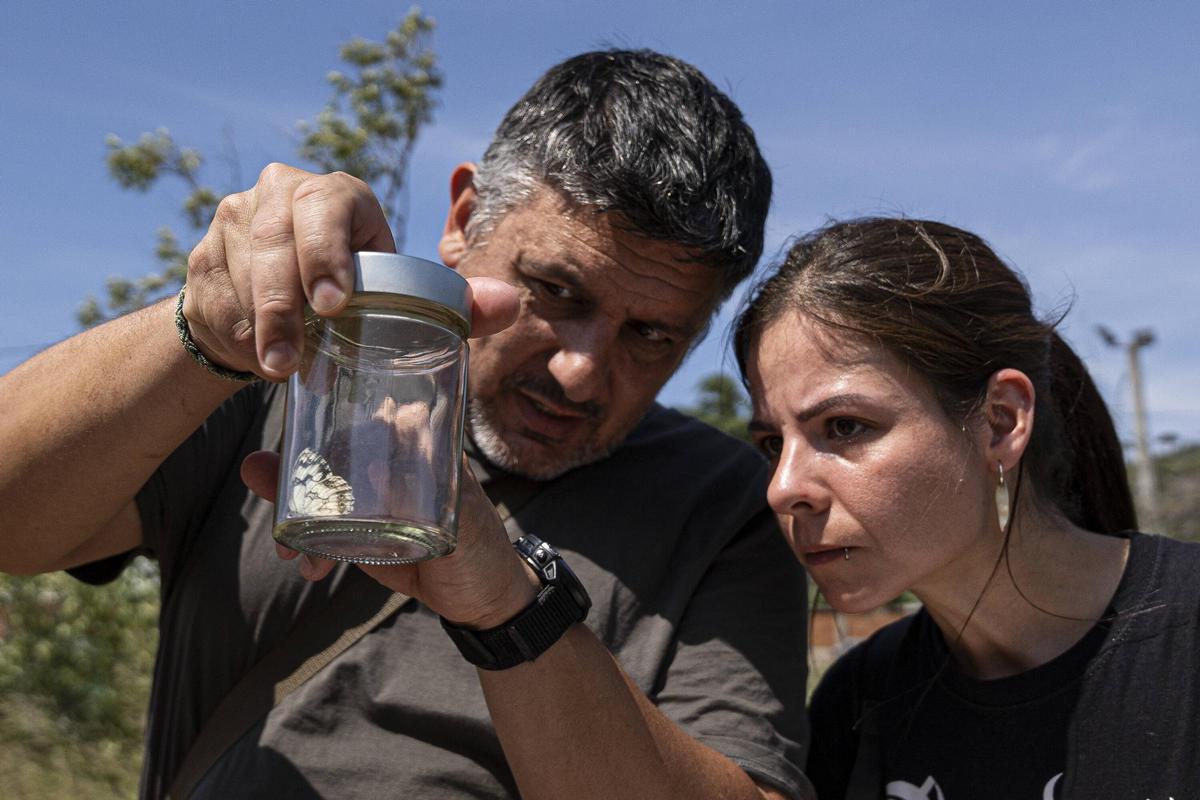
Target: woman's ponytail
{"points": [[1098, 497]]}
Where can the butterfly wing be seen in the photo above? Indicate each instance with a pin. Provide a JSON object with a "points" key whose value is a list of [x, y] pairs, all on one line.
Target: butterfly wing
{"points": [[316, 491]]}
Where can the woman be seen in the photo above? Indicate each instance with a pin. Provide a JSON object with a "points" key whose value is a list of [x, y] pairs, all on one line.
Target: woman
{"points": [[907, 397]]}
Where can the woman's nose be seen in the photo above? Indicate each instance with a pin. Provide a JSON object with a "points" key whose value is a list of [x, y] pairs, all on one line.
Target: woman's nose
{"points": [[797, 487]]}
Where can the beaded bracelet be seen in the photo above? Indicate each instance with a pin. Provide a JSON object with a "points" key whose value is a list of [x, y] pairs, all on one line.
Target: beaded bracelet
{"points": [[193, 350]]}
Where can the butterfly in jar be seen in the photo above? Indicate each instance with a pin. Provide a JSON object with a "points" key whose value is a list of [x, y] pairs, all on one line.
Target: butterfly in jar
{"points": [[316, 491]]}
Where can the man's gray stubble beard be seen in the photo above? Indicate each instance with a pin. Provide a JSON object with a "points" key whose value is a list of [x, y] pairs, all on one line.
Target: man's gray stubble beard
{"points": [[493, 447]]}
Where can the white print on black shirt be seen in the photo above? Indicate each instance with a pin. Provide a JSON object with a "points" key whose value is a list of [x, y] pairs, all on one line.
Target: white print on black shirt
{"points": [[903, 790], [929, 790]]}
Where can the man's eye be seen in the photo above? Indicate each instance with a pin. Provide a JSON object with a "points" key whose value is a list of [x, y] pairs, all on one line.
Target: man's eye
{"points": [[770, 446], [845, 428], [648, 332], [555, 291]]}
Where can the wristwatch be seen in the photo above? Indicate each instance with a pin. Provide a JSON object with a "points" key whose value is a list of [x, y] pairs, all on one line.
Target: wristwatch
{"points": [[561, 603]]}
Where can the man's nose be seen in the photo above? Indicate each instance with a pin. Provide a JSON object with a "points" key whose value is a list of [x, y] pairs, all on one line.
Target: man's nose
{"points": [[797, 487], [582, 362]]}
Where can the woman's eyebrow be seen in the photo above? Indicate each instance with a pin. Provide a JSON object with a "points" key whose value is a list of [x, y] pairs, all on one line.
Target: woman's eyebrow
{"points": [[815, 410]]}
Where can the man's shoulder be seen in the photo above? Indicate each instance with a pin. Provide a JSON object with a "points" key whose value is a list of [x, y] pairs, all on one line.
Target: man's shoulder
{"points": [[675, 434], [672, 468]]}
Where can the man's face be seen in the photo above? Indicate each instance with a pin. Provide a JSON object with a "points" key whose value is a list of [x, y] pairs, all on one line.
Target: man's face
{"points": [[606, 317]]}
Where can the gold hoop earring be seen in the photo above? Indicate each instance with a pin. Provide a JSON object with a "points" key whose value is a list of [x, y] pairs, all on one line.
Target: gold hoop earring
{"points": [[1002, 504]]}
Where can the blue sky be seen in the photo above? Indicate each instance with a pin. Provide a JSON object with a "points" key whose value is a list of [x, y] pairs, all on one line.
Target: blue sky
{"points": [[1067, 134]]}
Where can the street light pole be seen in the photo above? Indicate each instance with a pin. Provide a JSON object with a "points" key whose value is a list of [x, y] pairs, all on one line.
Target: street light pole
{"points": [[1147, 480]]}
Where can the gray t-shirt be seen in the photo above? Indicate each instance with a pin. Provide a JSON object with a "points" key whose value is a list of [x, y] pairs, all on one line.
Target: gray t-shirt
{"points": [[693, 591]]}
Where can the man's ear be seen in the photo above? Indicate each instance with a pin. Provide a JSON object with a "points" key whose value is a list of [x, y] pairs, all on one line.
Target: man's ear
{"points": [[1009, 411], [453, 245]]}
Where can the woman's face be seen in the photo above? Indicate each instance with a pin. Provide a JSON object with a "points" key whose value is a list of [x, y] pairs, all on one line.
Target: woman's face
{"points": [[865, 459]]}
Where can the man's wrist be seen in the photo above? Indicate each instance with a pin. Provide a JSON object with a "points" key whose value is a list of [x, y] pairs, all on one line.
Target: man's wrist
{"points": [[191, 345], [500, 640], [521, 592]]}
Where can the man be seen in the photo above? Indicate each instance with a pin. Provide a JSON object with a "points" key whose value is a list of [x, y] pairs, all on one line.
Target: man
{"points": [[622, 198]]}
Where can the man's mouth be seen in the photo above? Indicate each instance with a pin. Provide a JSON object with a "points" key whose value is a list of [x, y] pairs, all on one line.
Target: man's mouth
{"points": [[551, 408], [546, 421]]}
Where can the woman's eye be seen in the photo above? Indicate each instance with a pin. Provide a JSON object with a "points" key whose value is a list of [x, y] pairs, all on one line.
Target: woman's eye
{"points": [[845, 428]]}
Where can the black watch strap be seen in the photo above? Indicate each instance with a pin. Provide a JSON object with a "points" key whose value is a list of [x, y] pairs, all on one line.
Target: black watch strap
{"points": [[561, 603]]}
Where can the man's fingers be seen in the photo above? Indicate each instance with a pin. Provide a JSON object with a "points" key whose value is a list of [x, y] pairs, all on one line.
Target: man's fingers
{"points": [[315, 569], [217, 307], [311, 567], [494, 306], [278, 298], [260, 473], [285, 552], [333, 216]]}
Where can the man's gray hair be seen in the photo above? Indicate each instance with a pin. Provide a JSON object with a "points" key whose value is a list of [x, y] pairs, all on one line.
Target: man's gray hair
{"points": [[645, 136]]}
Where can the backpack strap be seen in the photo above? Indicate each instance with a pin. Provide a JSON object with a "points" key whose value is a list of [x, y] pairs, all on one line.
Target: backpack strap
{"points": [[870, 688], [312, 643]]}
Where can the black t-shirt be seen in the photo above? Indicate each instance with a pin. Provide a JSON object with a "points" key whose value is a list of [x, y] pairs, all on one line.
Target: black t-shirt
{"points": [[694, 591], [1116, 716]]}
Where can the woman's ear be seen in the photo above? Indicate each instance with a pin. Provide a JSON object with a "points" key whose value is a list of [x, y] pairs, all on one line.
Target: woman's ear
{"points": [[1009, 411], [453, 245]]}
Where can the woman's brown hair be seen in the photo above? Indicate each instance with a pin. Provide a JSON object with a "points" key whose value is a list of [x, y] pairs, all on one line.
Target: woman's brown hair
{"points": [[942, 301]]}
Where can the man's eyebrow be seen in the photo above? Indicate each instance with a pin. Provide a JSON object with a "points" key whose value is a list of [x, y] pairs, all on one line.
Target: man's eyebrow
{"points": [[816, 410], [756, 424], [552, 269]]}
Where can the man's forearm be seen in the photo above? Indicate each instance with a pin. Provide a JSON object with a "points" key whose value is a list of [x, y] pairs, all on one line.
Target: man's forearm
{"points": [[83, 425], [573, 725]]}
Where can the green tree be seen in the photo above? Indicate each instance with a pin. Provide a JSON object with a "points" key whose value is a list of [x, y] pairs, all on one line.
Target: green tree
{"points": [[390, 97], [368, 129], [138, 166], [75, 667], [720, 402]]}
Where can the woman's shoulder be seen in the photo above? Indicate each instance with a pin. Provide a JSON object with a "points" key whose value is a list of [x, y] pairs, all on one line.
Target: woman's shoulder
{"points": [[1164, 562], [1159, 591], [1157, 541]]}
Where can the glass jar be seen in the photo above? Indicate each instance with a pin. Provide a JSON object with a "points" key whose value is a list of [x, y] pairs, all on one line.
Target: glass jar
{"points": [[372, 438]]}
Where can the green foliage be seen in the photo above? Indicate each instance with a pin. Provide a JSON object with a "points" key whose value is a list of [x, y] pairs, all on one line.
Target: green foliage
{"points": [[368, 129], [38, 761], [721, 403], [76, 660], [1179, 491], [138, 166], [75, 666], [370, 126]]}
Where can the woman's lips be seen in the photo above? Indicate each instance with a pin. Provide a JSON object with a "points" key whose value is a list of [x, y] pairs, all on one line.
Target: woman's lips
{"points": [[815, 558]]}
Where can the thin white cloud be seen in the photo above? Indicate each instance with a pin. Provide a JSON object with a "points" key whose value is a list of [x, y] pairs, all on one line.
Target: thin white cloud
{"points": [[1085, 165]]}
